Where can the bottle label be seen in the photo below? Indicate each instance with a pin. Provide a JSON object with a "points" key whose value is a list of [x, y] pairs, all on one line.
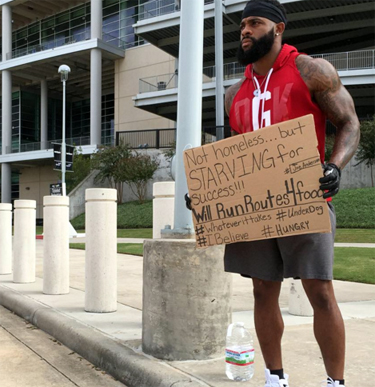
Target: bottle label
{"points": [[243, 358]]}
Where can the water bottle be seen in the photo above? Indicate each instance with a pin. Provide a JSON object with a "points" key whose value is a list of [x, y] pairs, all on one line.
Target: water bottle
{"points": [[239, 353]]}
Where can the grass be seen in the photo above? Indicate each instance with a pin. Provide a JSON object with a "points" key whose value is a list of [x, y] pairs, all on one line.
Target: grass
{"points": [[122, 248], [355, 208], [354, 235], [129, 215], [354, 264]]}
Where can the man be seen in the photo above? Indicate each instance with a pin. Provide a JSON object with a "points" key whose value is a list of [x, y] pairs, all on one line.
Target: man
{"points": [[280, 84]]}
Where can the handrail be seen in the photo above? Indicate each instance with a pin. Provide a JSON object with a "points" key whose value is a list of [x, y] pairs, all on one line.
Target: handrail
{"points": [[342, 61]]}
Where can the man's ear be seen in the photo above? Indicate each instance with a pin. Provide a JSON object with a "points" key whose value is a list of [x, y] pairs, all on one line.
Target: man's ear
{"points": [[279, 28]]}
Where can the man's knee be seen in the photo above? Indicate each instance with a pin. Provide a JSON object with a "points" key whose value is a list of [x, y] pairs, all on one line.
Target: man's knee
{"points": [[266, 290], [320, 294]]}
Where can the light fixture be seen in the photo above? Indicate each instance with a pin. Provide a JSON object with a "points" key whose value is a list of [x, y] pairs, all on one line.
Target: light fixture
{"points": [[64, 70]]}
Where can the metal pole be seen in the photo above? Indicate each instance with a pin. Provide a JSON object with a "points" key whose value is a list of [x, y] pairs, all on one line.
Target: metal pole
{"points": [[63, 145], [219, 69], [189, 105]]}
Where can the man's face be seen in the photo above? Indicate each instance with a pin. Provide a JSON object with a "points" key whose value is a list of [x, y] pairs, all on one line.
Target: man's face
{"points": [[252, 49]]}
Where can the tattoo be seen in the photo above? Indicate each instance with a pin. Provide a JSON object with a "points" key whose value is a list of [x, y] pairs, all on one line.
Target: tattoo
{"points": [[335, 101], [230, 94]]}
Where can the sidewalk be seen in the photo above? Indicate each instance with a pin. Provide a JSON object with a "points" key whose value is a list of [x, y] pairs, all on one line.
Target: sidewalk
{"points": [[112, 341]]}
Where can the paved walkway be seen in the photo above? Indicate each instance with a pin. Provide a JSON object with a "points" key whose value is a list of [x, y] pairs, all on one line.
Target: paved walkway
{"points": [[113, 340]]}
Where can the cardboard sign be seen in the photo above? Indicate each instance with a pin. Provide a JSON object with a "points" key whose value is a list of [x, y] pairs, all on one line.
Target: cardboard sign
{"points": [[258, 185]]}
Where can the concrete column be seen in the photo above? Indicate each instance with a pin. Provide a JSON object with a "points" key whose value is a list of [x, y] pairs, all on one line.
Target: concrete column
{"points": [[6, 177], [6, 183], [5, 238], [96, 96], [101, 250], [189, 105], [24, 241], [299, 304], [219, 62], [43, 114], [186, 300], [96, 19], [6, 32], [162, 206], [56, 245]]}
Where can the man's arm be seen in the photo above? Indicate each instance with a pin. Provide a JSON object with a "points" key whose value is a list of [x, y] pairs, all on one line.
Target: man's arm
{"points": [[229, 96], [336, 102]]}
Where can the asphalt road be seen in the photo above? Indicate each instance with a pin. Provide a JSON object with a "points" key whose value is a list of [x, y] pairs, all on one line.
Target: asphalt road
{"points": [[29, 357]]}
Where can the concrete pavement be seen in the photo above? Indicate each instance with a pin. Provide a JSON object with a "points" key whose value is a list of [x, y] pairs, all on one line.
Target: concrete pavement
{"points": [[29, 357], [112, 341]]}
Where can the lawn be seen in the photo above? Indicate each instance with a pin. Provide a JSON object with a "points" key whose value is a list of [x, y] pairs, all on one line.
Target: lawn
{"points": [[354, 264], [122, 248], [355, 208]]}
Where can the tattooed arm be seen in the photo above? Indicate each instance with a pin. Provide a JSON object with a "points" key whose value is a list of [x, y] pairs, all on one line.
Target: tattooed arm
{"points": [[335, 101], [229, 96]]}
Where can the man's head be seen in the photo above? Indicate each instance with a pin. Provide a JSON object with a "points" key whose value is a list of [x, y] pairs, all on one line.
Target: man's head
{"points": [[263, 21]]}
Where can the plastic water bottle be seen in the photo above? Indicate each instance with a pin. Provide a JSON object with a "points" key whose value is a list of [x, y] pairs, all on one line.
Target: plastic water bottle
{"points": [[239, 353]]}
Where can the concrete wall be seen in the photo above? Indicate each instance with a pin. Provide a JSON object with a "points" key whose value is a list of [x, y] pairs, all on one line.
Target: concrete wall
{"points": [[139, 62], [356, 177], [35, 184]]}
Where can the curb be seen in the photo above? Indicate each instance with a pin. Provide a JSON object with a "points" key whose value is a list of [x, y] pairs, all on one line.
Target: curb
{"points": [[123, 363]]}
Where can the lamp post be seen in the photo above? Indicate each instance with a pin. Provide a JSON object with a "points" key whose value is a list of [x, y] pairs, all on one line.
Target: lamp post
{"points": [[64, 70]]}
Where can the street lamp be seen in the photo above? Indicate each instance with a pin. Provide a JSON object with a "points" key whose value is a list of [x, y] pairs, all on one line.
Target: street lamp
{"points": [[64, 70]]}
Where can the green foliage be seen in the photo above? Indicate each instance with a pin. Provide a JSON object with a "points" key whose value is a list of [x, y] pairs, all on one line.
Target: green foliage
{"points": [[170, 152], [355, 208], [354, 264], [81, 169], [366, 147], [129, 215], [137, 170], [330, 141], [108, 160]]}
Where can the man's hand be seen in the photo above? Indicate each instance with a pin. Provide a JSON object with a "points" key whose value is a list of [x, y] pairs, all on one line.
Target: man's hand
{"points": [[331, 180], [188, 202]]}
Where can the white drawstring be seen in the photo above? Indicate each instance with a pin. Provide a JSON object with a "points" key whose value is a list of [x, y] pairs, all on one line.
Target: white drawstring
{"points": [[260, 93]]}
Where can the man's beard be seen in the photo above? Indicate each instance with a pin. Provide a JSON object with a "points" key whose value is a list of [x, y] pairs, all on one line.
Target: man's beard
{"points": [[259, 48]]}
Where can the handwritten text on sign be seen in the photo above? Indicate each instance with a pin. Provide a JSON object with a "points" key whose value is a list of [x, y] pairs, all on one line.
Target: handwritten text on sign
{"points": [[258, 185]]}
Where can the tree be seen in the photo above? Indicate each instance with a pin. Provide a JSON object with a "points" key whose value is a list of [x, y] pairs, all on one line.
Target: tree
{"points": [[81, 169], [366, 147], [108, 161], [137, 170]]}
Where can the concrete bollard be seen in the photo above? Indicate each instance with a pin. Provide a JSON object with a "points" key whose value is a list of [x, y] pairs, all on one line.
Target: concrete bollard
{"points": [[56, 245], [5, 238], [162, 206], [299, 304], [101, 250], [186, 300], [24, 241]]}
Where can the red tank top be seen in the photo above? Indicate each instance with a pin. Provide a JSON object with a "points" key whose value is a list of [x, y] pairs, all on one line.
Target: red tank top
{"points": [[284, 96]]}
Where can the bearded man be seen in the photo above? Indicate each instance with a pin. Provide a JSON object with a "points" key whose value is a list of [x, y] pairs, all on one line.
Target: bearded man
{"points": [[281, 84]]}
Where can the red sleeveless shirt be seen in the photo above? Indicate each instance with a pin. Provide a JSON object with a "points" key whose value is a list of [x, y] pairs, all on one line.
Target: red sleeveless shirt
{"points": [[283, 96]]}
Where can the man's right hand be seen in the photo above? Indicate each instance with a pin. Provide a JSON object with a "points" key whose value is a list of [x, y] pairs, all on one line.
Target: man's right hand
{"points": [[188, 202]]}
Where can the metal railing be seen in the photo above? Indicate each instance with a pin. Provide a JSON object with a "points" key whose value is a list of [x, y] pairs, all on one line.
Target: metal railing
{"points": [[78, 37], [353, 60], [161, 7], [150, 138], [163, 138]]}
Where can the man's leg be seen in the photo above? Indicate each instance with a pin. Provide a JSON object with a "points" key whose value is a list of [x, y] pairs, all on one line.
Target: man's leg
{"points": [[329, 327], [269, 324]]}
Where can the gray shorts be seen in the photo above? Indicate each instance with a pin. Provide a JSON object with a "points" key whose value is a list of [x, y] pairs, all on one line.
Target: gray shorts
{"points": [[307, 256]]}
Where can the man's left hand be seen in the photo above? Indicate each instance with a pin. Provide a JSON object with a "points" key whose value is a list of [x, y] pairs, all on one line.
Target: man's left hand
{"points": [[331, 181]]}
